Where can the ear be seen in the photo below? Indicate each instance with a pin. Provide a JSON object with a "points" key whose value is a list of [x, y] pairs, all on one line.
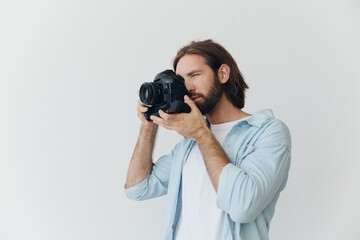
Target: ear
{"points": [[223, 73]]}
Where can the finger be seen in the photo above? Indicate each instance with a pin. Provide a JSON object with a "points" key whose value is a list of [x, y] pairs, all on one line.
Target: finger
{"points": [[189, 102], [142, 108], [157, 120], [165, 116], [144, 105], [166, 120]]}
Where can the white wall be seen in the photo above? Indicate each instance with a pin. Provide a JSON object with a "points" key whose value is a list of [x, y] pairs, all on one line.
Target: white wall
{"points": [[69, 73]]}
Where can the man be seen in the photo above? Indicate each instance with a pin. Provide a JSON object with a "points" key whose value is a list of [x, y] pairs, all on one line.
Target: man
{"points": [[224, 178]]}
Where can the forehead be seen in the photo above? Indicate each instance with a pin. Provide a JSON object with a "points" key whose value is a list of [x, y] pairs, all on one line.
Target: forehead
{"points": [[189, 63]]}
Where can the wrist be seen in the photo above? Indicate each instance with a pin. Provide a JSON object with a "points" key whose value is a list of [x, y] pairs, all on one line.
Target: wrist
{"points": [[149, 127], [202, 135]]}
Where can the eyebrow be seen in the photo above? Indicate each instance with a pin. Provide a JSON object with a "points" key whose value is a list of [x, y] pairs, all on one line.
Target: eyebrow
{"points": [[193, 71]]}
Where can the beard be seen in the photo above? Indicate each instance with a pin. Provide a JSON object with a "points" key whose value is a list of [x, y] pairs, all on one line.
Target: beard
{"points": [[211, 99]]}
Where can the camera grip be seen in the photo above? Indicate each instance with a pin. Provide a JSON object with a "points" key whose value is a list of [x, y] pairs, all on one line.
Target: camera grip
{"points": [[178, 107]]}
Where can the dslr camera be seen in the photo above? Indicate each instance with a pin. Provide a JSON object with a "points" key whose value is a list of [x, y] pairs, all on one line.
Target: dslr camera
{"points": [[166, 92]]}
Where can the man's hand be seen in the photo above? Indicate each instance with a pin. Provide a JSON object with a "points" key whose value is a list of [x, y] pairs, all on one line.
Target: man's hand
{"points": [[190, 125], [141, 109]]}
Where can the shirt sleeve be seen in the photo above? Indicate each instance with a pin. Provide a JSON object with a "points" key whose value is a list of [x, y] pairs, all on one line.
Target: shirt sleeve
{"points": [[155, 184], [245, 190]]}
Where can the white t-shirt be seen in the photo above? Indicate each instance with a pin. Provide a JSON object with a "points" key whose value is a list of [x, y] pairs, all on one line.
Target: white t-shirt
{"points": [[200, 218]]}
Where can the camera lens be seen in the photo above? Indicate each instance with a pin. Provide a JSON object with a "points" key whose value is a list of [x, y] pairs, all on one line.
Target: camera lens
{"points": [[149, 93]]}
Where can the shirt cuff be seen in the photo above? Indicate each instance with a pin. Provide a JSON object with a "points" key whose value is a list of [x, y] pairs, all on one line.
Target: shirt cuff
{"points": [[135, 192], [229, 174]]}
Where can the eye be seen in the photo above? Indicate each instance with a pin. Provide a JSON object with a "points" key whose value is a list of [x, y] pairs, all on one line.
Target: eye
{"points": [[195, 74]]}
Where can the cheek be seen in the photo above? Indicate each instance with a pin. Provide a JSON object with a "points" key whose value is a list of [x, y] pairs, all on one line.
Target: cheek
{"points": [[208, 84], [202, 83]]}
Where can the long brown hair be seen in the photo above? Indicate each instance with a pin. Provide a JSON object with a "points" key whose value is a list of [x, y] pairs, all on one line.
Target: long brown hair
{"points": [[216, 55]]}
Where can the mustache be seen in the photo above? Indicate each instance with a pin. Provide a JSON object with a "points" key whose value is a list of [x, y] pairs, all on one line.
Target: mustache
{"points": [[194, 94]]}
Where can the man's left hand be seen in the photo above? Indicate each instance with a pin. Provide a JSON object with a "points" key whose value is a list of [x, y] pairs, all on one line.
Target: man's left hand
{"points": [[190, 125]]}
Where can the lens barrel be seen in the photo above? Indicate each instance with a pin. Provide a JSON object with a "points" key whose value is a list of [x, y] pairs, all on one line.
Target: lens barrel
{"points": [[149, 93]]}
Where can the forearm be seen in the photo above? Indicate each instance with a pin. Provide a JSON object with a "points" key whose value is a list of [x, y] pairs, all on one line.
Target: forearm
{"points": [[141, 161], [215, 158]]}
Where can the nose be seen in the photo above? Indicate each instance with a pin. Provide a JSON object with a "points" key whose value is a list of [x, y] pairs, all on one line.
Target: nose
{"points": [[189, 86]]}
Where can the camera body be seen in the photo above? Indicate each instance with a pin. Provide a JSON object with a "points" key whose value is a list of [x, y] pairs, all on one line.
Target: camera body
{"points": [[166, 92]]}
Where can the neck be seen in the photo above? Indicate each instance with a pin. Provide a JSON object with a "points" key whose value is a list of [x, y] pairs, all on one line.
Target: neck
{"points": [[224, 112]]}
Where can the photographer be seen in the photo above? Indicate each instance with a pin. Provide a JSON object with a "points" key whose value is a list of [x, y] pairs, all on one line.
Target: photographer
{"points": [[224, 178]]}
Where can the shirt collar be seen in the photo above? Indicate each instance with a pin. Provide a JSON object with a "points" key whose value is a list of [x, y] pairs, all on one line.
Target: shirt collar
{"points": [[259, 118]]}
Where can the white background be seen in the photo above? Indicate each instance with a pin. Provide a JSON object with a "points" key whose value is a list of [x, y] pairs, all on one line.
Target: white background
{"points": [[69, 73]]}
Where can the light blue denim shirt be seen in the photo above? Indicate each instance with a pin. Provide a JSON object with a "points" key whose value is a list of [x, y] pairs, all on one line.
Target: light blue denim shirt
{"points": [[249, 187]]}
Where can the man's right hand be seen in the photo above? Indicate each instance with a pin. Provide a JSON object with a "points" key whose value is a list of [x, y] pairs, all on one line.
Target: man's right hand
{"points": [[141, 109]]}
